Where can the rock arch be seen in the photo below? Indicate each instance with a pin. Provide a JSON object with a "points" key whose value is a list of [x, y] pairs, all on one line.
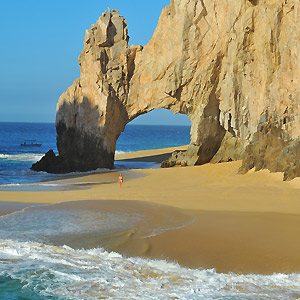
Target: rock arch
{"points": [[219, 62], [116, 86]]}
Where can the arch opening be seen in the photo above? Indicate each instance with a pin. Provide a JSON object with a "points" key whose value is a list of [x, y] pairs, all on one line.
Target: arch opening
{"points": [[158, 129]]}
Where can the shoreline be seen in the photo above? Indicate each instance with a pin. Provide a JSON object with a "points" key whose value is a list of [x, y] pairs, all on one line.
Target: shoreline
{"points": [[245, 223]]}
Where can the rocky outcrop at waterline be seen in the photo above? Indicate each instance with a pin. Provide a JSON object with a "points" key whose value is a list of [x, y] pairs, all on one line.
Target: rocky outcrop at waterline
{"points": [[232, 66]]}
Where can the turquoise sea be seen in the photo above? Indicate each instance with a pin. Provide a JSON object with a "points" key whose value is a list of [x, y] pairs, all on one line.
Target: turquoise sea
{"points": [[63, 251]]}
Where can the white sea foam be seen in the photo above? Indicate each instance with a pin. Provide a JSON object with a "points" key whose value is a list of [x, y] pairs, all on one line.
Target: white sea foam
{"points": [[26, 157], [30, 157], [120, 152], [26, 254], [10, 185], [97, 274]]}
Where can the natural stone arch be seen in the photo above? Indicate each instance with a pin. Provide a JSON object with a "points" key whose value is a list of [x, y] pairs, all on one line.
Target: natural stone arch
{"points": [[231, 66], [116, 86]]}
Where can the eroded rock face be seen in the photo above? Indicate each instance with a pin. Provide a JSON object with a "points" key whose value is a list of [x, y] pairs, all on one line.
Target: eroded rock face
{"points": [[272, 148], [91, 114], [231, 66]]}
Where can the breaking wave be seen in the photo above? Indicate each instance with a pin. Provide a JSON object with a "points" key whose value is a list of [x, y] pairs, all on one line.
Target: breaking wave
{"points": [[119, 152], [33, 259], [24, 157], [63, 272]]}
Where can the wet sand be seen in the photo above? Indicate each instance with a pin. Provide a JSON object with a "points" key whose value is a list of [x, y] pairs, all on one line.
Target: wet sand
{"points": [[245, 223], [234, 242], [11, 207]]}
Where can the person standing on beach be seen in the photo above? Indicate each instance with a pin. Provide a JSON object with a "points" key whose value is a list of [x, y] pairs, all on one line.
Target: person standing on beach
{"points": [[120, 179]]}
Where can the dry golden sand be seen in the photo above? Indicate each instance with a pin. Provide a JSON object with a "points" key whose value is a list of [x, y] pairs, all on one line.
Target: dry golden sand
{"points": [[246, 223]]}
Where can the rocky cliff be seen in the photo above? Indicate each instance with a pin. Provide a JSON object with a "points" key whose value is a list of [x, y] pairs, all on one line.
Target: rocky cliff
{"points": [[232, 66]]}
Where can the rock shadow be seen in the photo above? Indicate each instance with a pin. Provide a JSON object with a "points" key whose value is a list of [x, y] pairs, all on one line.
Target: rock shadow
{"points": [[80, 143]]}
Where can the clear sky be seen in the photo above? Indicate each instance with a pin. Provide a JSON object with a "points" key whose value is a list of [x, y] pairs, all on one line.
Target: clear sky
{"points": [[40, 44]]}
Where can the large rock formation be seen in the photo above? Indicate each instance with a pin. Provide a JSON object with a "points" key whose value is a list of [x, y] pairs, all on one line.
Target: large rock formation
{"points": [[232, 66]]}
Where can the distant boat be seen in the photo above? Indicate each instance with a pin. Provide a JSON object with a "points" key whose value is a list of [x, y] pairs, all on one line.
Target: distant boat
{"points": [[30, 143]]}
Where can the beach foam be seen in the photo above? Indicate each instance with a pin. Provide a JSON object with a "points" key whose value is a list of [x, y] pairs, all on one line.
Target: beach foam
{"points": [[120, 152], [56, 260], [24, 157], [98, 274]]}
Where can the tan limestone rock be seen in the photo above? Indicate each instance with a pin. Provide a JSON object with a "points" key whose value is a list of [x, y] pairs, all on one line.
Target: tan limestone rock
{"points": [[232, 66]]}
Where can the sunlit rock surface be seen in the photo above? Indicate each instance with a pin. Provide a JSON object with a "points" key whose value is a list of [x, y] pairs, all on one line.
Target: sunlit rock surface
{"points": [[232, 66]]}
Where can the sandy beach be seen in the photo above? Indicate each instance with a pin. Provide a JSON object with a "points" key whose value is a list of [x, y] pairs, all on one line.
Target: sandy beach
{"points": [[242, 223]]}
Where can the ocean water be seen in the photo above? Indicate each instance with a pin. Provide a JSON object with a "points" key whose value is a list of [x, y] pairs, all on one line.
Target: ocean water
{"points": [[70, 251], [15, 161]]}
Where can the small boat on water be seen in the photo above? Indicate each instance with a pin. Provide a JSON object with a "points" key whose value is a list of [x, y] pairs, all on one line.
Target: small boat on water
{"points": [[30, 143]]}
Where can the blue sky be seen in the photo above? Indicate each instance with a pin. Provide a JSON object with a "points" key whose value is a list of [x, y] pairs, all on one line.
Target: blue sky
{"points": [[40, 44]]}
